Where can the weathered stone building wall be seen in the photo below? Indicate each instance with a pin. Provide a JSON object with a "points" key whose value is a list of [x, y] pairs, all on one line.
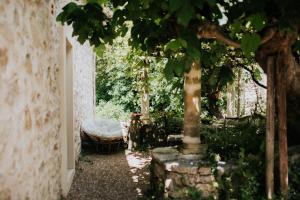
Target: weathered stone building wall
{"points": [[255, 97], [252, 97], [31, 61], [84, 84], [84, 87]]}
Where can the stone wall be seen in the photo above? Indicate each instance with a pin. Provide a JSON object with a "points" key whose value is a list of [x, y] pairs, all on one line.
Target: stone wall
{"points": [[31, 61]]}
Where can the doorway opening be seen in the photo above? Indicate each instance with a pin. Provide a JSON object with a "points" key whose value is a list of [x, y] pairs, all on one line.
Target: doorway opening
{"points": [[68, 153]]}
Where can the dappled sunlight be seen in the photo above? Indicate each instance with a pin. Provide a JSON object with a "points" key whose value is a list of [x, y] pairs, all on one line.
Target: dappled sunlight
{"points": [[135, 159], [138, 163]]}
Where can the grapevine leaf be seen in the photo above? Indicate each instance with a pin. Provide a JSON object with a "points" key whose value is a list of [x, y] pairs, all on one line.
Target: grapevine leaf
{"points": [[250, 43], [185, 14], [175, 5]]}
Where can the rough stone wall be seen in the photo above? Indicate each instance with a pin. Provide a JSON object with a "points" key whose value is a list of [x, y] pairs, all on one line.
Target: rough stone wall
{"points": [[30, 98]]}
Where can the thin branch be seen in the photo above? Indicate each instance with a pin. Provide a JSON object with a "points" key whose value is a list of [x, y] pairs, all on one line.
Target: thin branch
{"points": [[253, 76], [268, 36]]}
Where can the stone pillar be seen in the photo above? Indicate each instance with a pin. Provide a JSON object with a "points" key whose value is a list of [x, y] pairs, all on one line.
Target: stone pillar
{"points": [[192, 97]]}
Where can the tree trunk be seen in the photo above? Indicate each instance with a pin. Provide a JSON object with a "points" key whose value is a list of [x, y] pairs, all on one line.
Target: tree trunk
{"points": [[282, 130], [283, 43], [145, 97], [192, 97], [270, 129]]}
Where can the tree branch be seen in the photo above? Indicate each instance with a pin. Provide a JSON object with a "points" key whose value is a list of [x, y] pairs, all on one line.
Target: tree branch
{"points": [[212, 31]]}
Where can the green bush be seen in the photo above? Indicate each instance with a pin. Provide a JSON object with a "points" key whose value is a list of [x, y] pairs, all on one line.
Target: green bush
{"points": [[227, 139], [240, 143], [109, 110], [294, 180]]}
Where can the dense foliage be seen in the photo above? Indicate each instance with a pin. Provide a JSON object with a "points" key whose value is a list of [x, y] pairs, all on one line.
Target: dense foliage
{"points": [[119, 80], [240, 143]]}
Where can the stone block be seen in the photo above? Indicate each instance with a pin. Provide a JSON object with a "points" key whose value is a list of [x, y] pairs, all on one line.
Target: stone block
{"points": [[184, 168], [206, 189], [164, 154], [158, 170], [204, 170]]}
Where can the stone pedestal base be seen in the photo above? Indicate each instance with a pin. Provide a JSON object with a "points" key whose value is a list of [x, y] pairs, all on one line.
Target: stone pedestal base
{"points": [[178, 174], [198, 149]]}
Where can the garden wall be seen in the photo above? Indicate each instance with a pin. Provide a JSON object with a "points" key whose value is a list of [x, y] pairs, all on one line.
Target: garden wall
{"points": [[31, 62]]}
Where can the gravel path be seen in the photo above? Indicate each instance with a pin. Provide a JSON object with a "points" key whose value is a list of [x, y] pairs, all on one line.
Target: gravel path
{"points": [[120, 176]]}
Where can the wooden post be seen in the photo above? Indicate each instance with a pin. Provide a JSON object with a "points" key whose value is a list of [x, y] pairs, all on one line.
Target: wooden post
{"points": [[270, 130], [282, 130]]}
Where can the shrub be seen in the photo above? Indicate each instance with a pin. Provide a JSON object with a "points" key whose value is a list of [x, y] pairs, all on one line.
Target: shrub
{"points": [[109, 110], [240, 143], [227, 139]]}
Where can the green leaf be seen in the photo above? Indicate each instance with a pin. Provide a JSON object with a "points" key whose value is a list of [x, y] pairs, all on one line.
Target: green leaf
{"points": [[60, 17], [250, 43], [70, 7], [81, 39], [100, 49], [257, 74], [193, 53], [67, 12], [179, 69], [258, 21], [174, 67], [175, 5], [168, 71], [226, 75], [95, 40], [185, 14], [175, 44], [236, 26], [198, 4], [211, 2], [213, 78]]}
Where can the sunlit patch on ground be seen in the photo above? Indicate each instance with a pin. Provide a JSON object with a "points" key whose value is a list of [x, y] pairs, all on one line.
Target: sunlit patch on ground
{"points": [[138, 164]]}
